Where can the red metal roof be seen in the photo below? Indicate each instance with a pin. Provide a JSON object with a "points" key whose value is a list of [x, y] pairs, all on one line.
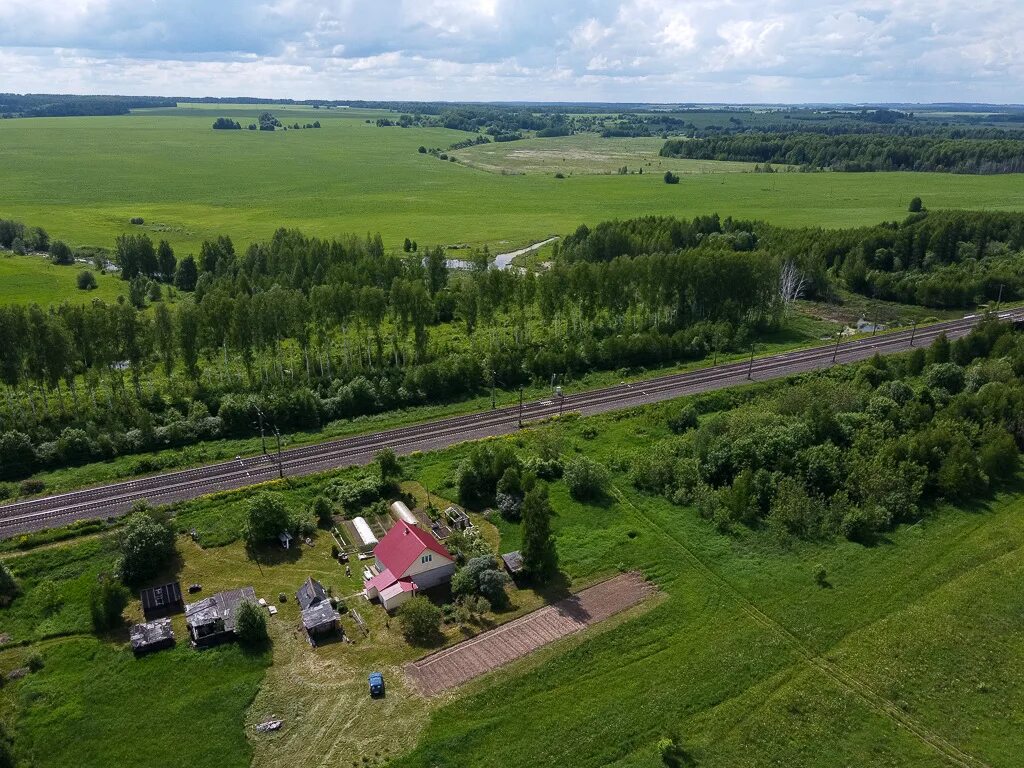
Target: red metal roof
{"points": [[403, 545]]}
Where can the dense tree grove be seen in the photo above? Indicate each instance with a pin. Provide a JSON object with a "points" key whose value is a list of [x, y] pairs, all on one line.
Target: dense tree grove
{"points": [[307, 331], [857, 152], [857, 450]]}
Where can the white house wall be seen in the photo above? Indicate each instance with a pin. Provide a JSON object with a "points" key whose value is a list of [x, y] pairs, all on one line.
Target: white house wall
{"points": [[418, 566]]}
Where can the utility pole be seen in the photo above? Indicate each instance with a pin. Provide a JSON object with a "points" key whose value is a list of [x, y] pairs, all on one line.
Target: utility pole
{"points": [[263, 437], [835, 351], [913, 330], [1000, 299], [280, 465], [750, 366], [520, 407]]}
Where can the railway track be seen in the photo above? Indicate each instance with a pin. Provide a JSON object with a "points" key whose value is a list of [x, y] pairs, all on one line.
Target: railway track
{"points": [[117, 498]]}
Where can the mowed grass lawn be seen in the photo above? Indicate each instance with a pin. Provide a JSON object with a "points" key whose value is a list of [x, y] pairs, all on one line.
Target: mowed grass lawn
{"points": [[84, 178], [28, 279]]}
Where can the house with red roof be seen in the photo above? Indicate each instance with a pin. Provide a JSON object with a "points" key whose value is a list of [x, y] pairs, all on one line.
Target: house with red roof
{"points": [[407, 560]]}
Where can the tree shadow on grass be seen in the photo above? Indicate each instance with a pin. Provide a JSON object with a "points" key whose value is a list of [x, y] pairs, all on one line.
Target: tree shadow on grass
{"points": [[273, 555]]}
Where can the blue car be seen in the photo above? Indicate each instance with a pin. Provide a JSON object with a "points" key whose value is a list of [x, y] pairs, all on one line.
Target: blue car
{"points": [[376, 684]]}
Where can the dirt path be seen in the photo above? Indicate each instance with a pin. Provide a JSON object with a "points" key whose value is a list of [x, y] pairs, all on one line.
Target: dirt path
{"points": [[840, 677], [504, 260], [461, 663]]}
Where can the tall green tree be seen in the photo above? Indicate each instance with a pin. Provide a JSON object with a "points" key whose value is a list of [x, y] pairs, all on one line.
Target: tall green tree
{"points": [[540, 555], [165, 261]]}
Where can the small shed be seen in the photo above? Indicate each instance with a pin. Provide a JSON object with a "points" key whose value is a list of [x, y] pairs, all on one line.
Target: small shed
{"points": [[402, 513], [286, 539], [151, 636], [513, 563], [162, 601], [213, 619], [457, 518], [318, 615]]}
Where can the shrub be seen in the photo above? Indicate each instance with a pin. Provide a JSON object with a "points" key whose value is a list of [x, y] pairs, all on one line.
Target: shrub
{"points": [[9, 587], [947, 376], [17, 457], [916, 206], [420, 620], [684, 420], [323, 511], [136, 220], [60, 253], [251, 625], [478, 475], [267, 517], [585, 478], [671, 178], [146, 547], [106, 603], [86, 280], [35, 662], [31, 487]]}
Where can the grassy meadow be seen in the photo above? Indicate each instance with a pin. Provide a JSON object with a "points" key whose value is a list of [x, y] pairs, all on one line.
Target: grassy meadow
{"points": [[83, 178], [587, 154], [745, 659], [28, 279]]}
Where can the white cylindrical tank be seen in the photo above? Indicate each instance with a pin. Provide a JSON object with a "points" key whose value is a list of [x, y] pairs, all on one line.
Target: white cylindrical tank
{"points": [[364, 531], [401, 512]]}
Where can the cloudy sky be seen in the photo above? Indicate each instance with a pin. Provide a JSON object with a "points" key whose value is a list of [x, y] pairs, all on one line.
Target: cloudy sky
{"points": [[591, 50]]}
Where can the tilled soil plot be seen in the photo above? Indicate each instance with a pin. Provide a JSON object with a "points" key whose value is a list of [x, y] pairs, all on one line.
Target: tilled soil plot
{"points": [[457, 665]]}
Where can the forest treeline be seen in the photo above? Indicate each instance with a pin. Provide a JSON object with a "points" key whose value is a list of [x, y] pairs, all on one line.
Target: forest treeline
{"points": [[856, 450], [857, 152], [943, 259], [308, 331], [65, 105]]}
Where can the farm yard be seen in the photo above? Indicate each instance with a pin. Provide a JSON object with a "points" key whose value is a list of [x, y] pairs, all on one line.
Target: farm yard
{"points": [[741, 640]]}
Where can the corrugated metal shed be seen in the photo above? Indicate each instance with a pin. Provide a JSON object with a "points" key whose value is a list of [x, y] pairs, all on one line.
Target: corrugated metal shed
{"points": [[151, 636], [162, 600]]}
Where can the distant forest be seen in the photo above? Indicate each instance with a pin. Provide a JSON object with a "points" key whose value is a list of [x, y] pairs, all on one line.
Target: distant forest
{"points": [[857, 152], [60, 105]]}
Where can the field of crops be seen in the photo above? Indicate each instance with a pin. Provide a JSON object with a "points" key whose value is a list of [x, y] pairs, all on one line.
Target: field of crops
{"points": [[84, 178]]}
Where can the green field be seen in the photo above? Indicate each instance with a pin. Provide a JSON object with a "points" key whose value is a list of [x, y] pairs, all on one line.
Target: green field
{"points": [[27, 279], [83, 178]]}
